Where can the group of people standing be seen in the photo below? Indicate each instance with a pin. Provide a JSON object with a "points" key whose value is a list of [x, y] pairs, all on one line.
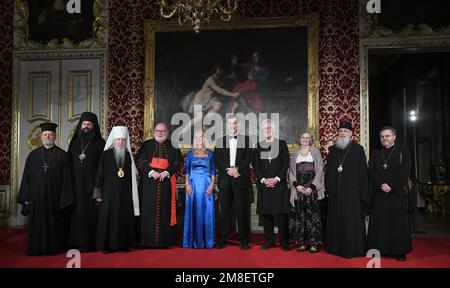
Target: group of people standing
{"points": [[88, 198]]}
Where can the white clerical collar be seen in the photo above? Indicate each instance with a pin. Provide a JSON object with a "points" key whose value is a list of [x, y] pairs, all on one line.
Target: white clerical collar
{"points": [[269, 141]]}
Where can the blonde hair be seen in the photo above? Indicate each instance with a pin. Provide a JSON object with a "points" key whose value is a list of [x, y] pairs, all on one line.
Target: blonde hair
{"points": [[311, 137]]}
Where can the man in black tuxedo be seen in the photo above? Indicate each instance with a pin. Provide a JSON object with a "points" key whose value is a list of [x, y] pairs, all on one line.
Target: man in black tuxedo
{"points": [[233, 156], [271, 162]]}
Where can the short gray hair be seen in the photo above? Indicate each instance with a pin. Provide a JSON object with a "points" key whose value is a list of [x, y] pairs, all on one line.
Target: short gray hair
{"points": [[311, 137]]}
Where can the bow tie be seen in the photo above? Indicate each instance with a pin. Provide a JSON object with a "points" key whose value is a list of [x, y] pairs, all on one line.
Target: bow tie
{"points": [[233, 137]]}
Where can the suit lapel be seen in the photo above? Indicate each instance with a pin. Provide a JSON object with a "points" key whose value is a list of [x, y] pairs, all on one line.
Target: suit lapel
{"points": [[226, 149]]}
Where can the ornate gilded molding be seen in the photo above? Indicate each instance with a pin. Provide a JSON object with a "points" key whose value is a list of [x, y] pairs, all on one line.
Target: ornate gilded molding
{"points": [[420, 37], [369, 27], [99, 30], [418, 43], [311, 21]]}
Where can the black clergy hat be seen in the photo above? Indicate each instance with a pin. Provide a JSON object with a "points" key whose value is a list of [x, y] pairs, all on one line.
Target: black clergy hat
{"points": [[89, 116], [48, 126], [345, 125]]}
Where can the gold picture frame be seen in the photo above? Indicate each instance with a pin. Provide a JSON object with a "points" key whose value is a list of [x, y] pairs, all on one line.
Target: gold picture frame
{"points": [[310, 21], [99, 30]]}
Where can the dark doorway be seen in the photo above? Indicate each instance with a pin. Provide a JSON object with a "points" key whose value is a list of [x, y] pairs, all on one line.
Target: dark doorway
{"points": [[404, 84]]}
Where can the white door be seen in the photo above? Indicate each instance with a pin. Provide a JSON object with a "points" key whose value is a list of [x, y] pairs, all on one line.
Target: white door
{"points": [[52, 91]]}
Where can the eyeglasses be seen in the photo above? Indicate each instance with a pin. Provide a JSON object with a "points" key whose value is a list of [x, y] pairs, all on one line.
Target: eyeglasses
{"points": [[160, 131]]}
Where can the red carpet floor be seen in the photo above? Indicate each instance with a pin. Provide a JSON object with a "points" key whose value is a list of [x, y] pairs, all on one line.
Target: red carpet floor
{"points": [[428, 252]]}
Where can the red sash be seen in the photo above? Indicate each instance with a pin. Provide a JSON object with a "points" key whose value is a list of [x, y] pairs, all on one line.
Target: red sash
{"points": [[161, 163]]}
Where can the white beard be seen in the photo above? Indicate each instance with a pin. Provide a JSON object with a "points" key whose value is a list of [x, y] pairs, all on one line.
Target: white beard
{"points": [[342, 142], [119, 154]]}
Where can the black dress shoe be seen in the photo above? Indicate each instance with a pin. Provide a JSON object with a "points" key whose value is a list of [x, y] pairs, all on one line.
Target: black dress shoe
{"points": [[245, 246], [401, 258], [267, 246], [220, 245]]}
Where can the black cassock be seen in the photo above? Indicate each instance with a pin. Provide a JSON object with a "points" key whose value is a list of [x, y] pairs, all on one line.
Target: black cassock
{"points": [[272, 160], [348, 195], [47, 186], [116, 226], [389, 225], [156, 196], [272, 201], [84, 216]]}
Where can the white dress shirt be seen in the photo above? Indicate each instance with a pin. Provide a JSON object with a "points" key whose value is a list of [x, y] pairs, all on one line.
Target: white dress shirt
{"points": [[233, 149]]}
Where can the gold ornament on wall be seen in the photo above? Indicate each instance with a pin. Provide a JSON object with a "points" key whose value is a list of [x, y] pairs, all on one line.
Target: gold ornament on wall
{"points": [[34, 138], [198, 12]]}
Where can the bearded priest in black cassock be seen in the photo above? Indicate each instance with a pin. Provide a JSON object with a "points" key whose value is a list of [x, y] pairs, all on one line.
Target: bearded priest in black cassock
{"points": [[389, 171], [46, 194], [347, 186], [116, 191], [85, 150], [160, 165]]}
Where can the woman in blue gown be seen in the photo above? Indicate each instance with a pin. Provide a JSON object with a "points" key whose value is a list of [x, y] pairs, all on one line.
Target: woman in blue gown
{"points": [[199, 209]]}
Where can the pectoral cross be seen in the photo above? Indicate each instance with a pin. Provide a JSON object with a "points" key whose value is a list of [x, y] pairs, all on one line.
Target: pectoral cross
{"points": [[45, 167], [385, 166]]}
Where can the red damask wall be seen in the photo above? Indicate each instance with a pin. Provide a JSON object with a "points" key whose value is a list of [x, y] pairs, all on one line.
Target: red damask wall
{"points": [[6, 48], [339, 48], [339, 72]]}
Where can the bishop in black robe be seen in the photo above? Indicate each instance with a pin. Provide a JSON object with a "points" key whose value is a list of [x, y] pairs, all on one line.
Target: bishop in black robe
{"points": [[158, 205], [389, 230], [273, 201], [85, 150], [116, 191], [46, 195], [348, 195]]}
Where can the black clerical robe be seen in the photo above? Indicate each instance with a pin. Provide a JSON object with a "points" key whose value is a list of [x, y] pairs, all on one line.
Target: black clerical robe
{"points": [[83, 221], [348, 195], [272, 201], [157, 198], [389, 225], [116, 226], [47, 186]]}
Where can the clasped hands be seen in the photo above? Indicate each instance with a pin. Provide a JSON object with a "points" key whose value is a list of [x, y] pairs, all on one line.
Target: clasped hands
{"points": [[304, 190], [159, 176], [270, 182], [386, 188], [233, 172]]}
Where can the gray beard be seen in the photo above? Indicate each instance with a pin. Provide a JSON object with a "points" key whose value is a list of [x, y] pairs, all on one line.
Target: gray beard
{"points": [[119, 154], [342, 142], [48, 144]]}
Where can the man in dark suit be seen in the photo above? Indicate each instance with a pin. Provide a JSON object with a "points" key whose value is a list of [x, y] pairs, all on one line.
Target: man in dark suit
{"points": [[271, 162], [233, 156]]}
